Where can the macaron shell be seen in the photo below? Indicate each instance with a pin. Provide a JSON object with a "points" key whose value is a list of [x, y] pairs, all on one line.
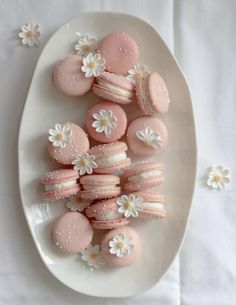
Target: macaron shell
{"points": [[117, 80], [97, 194], [120, 52], [105, 150], [125, 260], [72, 233], [69, 79], [110, 224], [108, 95], [147, 184], [101, 208], [157, 214], [143, 166], [61, 193], [100, 180], [139, 147], [59, 176], [78, 144], [117, 132], [158, 93]]}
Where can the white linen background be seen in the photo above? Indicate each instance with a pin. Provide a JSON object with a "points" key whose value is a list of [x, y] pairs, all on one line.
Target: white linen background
{"points": [[202, 36]]}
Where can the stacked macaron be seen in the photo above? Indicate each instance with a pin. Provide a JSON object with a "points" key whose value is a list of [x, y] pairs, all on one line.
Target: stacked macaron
{"points": [[106, 191]]}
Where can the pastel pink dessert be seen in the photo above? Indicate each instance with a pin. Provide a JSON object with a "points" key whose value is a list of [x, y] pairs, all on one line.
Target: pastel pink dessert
{"points": [[105, 215], [152, 94], [143, 176], [121, 247], [69, 79], [60, 184], [100, 187], [120, 52], [147, 135], [72, 233], [65, 142], [114, 87], [152, 205], [106, 122], [110, 157]]}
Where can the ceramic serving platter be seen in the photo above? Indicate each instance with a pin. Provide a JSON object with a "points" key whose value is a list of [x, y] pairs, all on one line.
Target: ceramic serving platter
{"points": [[45, 106]]}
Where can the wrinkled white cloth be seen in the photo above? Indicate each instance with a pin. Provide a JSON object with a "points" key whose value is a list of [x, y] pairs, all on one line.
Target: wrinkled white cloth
{"points": [[202, 36]]}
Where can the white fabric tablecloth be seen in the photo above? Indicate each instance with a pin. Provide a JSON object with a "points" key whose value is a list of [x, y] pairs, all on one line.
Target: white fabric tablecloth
{"points": [[202, 36]]}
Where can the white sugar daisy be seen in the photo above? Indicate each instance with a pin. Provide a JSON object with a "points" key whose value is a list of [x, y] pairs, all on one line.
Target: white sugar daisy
{"points": [[104, 121], [218, 176], [86, 44], [60, 136], [77, 204], [84, 163], [93, 65], [93, 256], [129, 205], [149, 137], [136, 72], [121, 245], [30, 34]]}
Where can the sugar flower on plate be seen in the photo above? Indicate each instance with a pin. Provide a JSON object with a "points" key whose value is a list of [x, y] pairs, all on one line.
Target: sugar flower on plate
{"points": [[104, 121], [129, 205], [60, 136], [76, 204], [121, 245], [218, 176], [93, 65], [84, 163], [149, 137], [136, 72], [30, 34], [86, 44], [92, 256]]}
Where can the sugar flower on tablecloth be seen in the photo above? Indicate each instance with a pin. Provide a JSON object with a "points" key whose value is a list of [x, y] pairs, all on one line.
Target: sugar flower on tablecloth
{"points": [[30, 34], [218, 176]]}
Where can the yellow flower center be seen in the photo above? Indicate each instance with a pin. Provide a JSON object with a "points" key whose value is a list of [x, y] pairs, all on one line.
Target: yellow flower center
{"points": [[128, 205], [59, 137], [105, 121], [92, 65], [30, 34], [86, 48], [138, 74], [217, 178], [84, 162], [93, 255], [120, 245], [148, 143]]}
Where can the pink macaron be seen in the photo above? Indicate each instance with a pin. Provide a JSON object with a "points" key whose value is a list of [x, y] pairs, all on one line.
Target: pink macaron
{"points": [[65, 142], [114, 87], [105, 215], [143, 175], [60, 184], [147, 135], [120, 52], [121, 247], [72, 233], [106, 122], [100, 187], [110, 157], [152, 94], [152, 205], [69, 79]]}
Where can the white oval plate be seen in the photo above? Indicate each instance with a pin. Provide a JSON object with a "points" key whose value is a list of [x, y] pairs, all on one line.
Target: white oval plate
{"points": [[45, 106]]}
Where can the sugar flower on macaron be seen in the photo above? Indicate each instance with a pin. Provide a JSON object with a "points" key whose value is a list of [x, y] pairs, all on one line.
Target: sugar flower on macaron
{"points": [[137, 72], [84, 163], [93, 65], [30, 34], [104, 121], [218, 176], [129, 205], [121, 245], [149, 137], [86, 44], [93, 256], [60, 136]]}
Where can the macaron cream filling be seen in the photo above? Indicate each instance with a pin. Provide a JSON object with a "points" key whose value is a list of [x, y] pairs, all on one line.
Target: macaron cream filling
{"points": [[114, 89], [149, 174], [58, 186], [111, 160], [147, 103], [109, 216]]}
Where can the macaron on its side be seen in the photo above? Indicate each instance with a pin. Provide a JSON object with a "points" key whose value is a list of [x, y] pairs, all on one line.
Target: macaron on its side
{"points": [[69, 79], [78, 143], [110, 157], [72, 233], [153, 205], [106, 122], [97, 187], [114, 87], [120, 52], [60, 184], [147, 135], [121, 247]]}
